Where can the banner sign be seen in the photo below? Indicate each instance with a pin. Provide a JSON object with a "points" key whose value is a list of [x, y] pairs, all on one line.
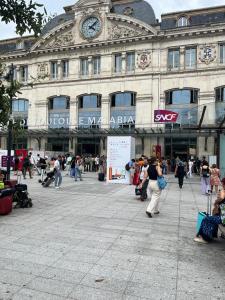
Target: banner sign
{"points": [[165, 116], [120, 151]]}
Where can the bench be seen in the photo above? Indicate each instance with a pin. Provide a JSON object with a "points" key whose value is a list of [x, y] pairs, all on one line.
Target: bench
{"points": [[222, 229]]}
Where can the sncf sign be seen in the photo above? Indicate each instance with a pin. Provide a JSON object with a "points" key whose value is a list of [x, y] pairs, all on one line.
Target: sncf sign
{"points": [[165, 116]]}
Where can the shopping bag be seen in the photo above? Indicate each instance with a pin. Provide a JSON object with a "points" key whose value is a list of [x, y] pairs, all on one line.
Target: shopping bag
{"points": [[161, 182], [201, 217], [138, 191]]}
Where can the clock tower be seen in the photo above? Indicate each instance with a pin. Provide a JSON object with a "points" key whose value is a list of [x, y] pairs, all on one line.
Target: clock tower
{"points": [[90, 20]]}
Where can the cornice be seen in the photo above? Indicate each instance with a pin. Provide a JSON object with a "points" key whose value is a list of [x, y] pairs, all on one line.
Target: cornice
{"points": [[162, 36]]}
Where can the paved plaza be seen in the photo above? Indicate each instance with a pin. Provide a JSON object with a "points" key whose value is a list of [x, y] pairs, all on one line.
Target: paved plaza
{"points": [[93, 241]]}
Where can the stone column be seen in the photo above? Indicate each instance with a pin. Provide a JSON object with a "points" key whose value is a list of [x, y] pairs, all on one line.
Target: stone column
{"points": [[105, 112], [18, 75], [182, 58], [74, 118], [90, 66], [60, 69], [123, 71]]}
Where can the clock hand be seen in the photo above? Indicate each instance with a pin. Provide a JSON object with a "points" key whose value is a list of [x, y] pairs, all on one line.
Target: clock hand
{"points": [[92, 26]]}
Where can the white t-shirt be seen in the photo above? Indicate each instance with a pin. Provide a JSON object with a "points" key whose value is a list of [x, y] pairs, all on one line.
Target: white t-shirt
{"points": [[143, 169], [57, 165]]}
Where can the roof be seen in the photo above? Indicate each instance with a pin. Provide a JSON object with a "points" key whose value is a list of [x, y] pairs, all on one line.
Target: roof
{"points": [[197, 17], [56, 21], [140, 9]]}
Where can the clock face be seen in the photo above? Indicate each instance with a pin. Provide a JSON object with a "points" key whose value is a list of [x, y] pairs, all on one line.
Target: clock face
{"points": [[91, 27]]}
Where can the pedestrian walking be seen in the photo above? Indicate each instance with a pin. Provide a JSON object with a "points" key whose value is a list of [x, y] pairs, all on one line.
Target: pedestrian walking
{"points": [[58, 175], [144, 179], [190, 168], [154, 171], [205, 178], [215, 178], [180, 173]]}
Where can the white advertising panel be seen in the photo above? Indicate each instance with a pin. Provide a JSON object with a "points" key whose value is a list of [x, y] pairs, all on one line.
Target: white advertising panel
{"points": [[120, 150]]}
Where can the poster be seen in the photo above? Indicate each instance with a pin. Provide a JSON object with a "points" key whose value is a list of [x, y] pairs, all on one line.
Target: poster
{"points": [[3, 158], [120, 150]]}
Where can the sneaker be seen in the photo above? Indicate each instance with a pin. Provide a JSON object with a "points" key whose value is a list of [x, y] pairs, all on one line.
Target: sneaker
{"points": [[156, 213], [149, 214], [57, 187], [200, 240]]}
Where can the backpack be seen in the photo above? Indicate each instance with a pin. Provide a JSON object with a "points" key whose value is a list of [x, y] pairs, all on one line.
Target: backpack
{"points": [[127, 167], [205, 173]]}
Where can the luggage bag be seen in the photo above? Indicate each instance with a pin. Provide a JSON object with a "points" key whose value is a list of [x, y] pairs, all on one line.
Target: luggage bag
{"points": [[6, 201], [202, 215], [101, 176], [48, 182]]}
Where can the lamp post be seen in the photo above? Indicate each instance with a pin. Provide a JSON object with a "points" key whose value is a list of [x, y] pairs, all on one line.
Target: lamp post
{"points": [[9, 142]]}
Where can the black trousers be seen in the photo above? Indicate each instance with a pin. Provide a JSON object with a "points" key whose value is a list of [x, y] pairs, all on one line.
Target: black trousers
{"points": [[181, 181], [144, 194]]}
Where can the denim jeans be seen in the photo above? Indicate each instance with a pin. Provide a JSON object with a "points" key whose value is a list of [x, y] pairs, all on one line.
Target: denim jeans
{"points": [[58, 178], [77, 173]]}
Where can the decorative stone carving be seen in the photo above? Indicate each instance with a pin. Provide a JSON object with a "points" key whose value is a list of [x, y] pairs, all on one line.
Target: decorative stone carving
{"points": [[128, 11], [61, 40], [144, 59], [207, 53], [120, 32], [42, 71]]}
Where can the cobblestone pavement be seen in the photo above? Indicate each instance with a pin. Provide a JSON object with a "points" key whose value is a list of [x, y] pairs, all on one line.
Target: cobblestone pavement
{"points": [[93, 241]]}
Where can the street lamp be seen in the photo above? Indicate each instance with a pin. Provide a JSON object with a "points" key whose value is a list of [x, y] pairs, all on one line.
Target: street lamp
{"points": [[9, 76]]}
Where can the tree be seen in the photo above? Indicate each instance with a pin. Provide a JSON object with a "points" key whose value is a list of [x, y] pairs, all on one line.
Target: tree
{"points": [[25, 15]]}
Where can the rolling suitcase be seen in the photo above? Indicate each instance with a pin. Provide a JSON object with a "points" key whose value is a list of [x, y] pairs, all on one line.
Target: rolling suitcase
{"points": [[101, 176], [6, 201], [202, 215], [48, 182]]}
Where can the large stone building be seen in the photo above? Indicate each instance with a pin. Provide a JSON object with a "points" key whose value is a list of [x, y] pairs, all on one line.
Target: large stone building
{"points": [[105, 66]]}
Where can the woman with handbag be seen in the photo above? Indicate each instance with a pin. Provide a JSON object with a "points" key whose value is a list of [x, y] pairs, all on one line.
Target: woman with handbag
{"points": [[209, 226], [154, 170]]}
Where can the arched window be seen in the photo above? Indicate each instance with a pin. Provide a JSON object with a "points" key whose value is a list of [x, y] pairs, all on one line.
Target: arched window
{"points": [[182, 22], [126, 99], [220, 94], [20, 105], [180, 97], [59, 103], [90, 101]]}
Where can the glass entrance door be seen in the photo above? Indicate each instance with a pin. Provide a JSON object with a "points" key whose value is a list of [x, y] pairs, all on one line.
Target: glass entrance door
{"points": [[179, 147], [88, 146]]}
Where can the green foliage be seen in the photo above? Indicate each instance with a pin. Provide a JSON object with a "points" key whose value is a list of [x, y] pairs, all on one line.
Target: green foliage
{"points": [[24, 14]]}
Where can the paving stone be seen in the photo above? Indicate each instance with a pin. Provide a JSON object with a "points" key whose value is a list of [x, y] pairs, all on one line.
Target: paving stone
{"points": [[50, 286], [95, 231]]}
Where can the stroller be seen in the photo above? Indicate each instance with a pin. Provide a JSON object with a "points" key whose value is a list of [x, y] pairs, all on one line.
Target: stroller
{"points": [[49, 179], [21, 196]]}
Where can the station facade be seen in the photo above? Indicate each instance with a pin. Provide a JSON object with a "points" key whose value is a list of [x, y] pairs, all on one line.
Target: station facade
{"points": [[109, 68]]}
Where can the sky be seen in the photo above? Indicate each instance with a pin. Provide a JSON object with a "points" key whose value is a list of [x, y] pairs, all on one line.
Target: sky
{"points": [[159, 6]]}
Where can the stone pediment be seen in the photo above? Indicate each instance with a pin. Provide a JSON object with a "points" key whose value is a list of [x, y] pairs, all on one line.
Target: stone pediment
{"points": [[61, 36], [121, 27]]}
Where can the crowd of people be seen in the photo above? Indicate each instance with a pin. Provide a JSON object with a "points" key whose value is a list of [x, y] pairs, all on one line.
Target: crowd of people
{"points": [[144, 173]]}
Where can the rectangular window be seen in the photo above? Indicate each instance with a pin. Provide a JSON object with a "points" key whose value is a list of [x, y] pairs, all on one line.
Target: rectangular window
{"points": [[65, 66], [130, 61], [84, 66], [190, 58], [54, 70], [173, 59], [118, 63], [96, 65], [24, 73], [222, 53]]}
